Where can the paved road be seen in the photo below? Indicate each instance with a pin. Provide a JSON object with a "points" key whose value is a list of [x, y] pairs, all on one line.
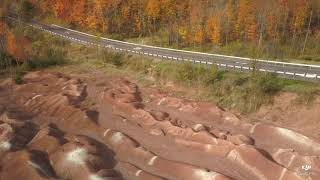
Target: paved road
{"points": [[287, 70]]}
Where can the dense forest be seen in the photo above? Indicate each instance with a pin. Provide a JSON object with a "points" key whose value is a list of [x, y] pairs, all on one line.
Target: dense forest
{"points": [[263, 24]]}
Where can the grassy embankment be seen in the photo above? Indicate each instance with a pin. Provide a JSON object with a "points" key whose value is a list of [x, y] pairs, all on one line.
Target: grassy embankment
{"points": [[244, 92]]}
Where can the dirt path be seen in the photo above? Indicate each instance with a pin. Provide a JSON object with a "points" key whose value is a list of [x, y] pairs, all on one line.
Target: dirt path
{"points": [[59, 127]]}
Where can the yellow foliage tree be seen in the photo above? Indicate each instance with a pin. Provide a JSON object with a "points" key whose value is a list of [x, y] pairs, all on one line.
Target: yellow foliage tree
{"points": [[215, 30]]}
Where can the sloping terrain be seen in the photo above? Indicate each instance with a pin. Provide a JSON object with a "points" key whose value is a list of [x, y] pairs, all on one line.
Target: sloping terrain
{"points": [[287, 111], [55, 126]]}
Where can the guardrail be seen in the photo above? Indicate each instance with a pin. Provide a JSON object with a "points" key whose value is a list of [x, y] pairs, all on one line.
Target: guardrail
{"points": [[283, 69]]}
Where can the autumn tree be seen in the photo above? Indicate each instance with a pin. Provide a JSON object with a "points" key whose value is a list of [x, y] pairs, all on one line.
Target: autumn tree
{"points": [[230, 22], [169, 20], [62, 8], [200, 35], [79, 13], [247, 27], [3, 28], [3, 34], [215, 30], [300, 15], [26, 9], [18, 47], [153, 12]]}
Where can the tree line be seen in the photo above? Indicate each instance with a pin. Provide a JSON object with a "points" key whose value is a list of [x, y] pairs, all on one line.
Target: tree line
{"points": [[194, 22]]}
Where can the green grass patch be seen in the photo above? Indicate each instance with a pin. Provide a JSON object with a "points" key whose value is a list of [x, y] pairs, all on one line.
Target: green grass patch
{"points": [[19, 78], [53, 58], [246, 92], [241, 91]]}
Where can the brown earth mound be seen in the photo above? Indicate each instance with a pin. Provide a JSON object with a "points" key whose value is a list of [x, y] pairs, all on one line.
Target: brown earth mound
{"points": [[57, 127]]}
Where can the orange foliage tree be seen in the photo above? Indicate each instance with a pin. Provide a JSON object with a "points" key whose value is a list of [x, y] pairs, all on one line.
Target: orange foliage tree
{"points": [[18, 47], [153, 11], [62, 8], [215, 30], [78, 12], [3, 34], [193, 22], [3, 28]]}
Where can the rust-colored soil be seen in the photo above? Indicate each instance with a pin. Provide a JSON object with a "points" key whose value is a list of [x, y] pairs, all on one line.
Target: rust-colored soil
{"points": [[58, 127], [286, 111]]}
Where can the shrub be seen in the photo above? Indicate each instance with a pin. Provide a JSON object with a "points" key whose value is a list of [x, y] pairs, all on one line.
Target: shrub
{"points": [[116, 59], [196, 74], [52, 58], [317, 59], [164, 70], [269, 83], [6, 61], [306, 57], [245, 92], [185, 72], [208, 74], [19, 77], [139, 64], [119, 37]]}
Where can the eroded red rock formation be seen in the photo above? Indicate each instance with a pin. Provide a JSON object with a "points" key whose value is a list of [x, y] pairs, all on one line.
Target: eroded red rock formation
{"points": [[48, 131]]}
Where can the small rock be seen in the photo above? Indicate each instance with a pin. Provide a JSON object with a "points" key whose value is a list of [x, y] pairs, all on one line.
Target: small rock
{"points": [[240, 140], [159, 116], [199, 127], [157, 132], [6, 132], [219, 134], [184, 126]]}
